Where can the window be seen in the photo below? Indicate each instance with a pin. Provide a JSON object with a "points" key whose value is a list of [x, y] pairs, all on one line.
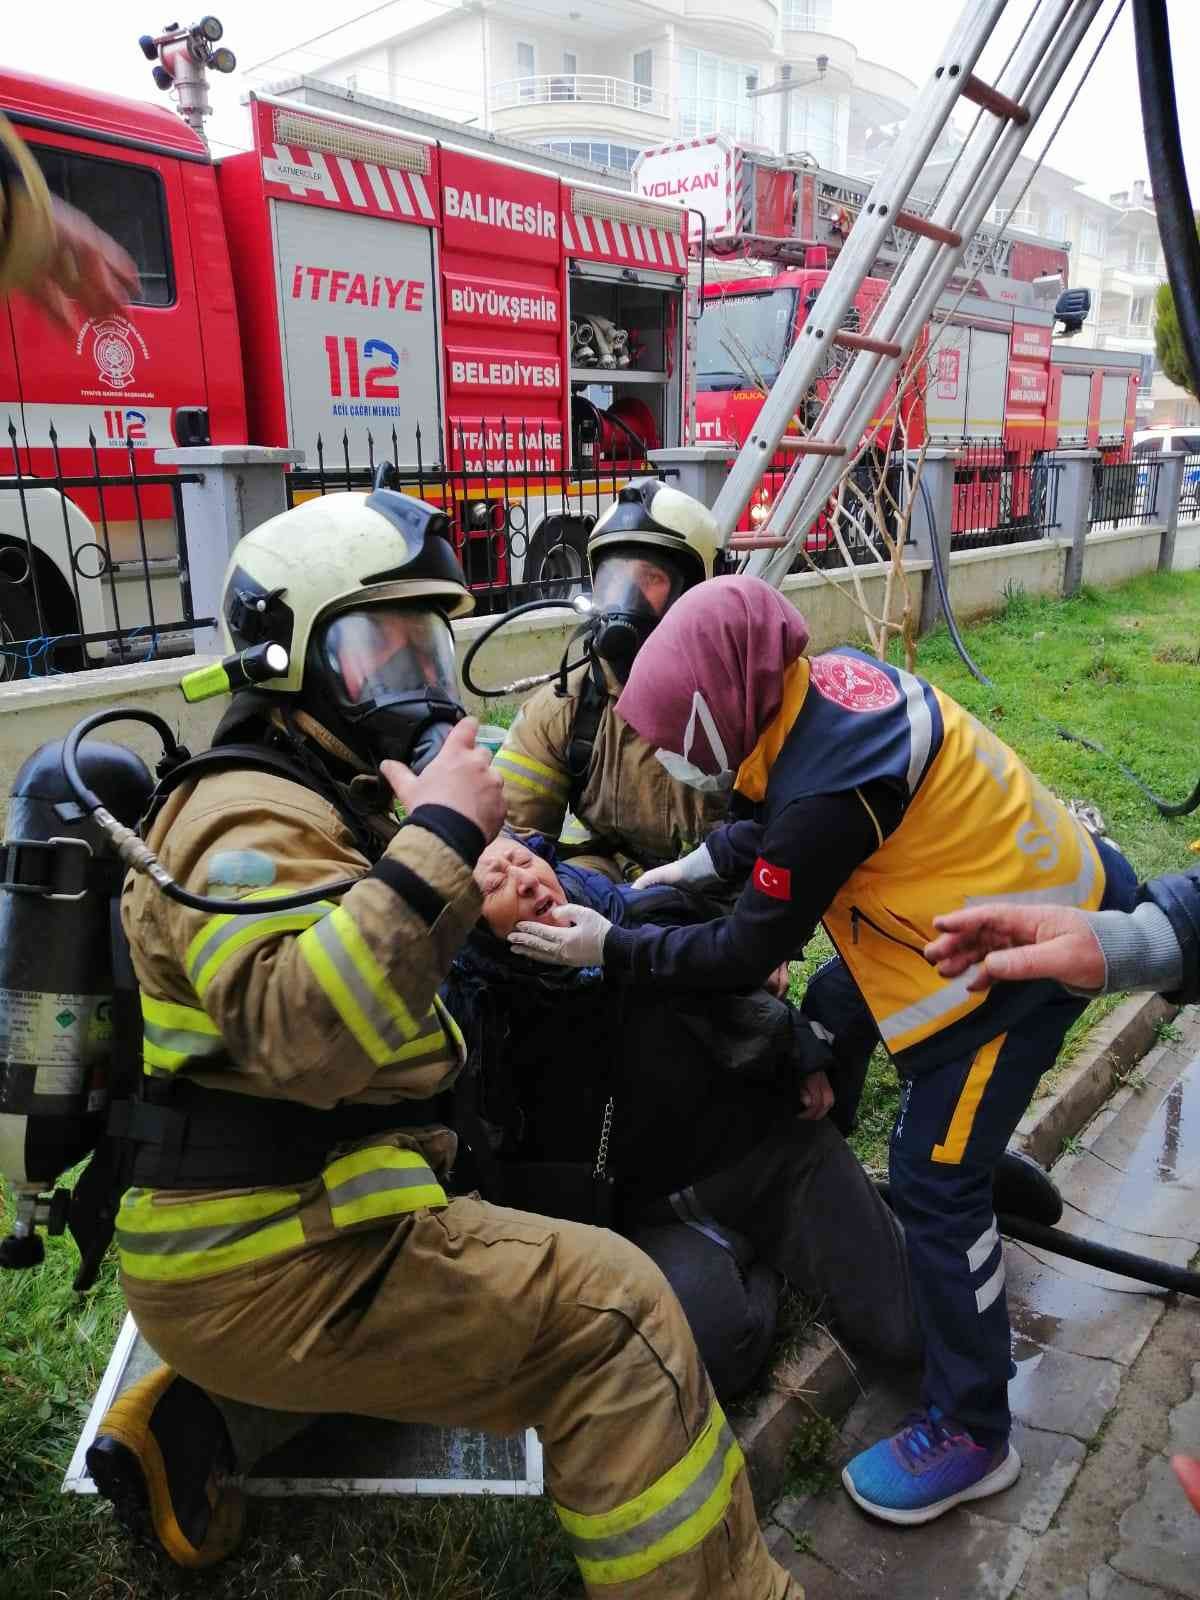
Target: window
{"points": [[813, 126], [1145, 255], [526, 66], [127, 202], [620, 157], [1148, 447], [1187, 441], [1139, 310], [1092, 238], [643, 75], [808, 16], [1056, 223], [743, 339], [712, 95], [566, 87]]}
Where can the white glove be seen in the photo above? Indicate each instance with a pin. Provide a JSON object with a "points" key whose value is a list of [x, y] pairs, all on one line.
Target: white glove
{"points": [[693, 871], [579, 943]]}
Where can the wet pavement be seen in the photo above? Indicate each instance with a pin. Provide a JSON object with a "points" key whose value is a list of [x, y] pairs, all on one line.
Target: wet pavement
{"points": [[1107, 1388]]}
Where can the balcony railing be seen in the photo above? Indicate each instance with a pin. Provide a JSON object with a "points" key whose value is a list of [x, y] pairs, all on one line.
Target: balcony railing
{"points": [[566, 88]]}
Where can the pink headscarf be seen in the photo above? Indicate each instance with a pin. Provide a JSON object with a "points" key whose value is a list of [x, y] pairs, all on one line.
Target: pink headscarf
{"points": [[717, 657]]}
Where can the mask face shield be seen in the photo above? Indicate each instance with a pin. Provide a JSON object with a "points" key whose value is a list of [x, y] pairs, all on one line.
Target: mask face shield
{"points": [[391, 676], [630, 595]]}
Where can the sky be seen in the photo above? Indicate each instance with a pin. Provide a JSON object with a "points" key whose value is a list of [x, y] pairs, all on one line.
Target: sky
{"points": [[1100, 142]]}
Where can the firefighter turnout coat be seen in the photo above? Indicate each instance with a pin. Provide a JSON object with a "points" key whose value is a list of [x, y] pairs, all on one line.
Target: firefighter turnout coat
{"points": [[627, 805], [364, 1287]]}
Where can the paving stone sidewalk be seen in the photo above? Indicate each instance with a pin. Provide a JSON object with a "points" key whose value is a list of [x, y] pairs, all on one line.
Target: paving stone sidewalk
{"points": [[1107, 1389]]}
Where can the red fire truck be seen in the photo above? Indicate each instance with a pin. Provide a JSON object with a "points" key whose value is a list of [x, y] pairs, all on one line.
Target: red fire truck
{"points": [[989, 380], [359, 293]]}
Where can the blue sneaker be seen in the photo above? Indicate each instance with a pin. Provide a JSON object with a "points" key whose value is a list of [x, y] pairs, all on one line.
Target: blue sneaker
{"points": [[925, 1469]]}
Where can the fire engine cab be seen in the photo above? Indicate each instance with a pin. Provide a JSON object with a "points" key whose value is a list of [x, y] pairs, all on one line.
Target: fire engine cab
{"points": [[989, 378], [343, 288]]}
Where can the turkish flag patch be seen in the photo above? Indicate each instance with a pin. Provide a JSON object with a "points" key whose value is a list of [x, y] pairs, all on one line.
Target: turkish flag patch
{"points": [[775, 881]]}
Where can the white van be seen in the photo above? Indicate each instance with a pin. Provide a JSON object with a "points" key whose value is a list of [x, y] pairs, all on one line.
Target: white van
{"points": [[1156, 442]]}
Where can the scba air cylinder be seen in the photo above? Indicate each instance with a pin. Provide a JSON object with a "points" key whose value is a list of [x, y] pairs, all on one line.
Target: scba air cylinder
{"points": [[60, 880]]}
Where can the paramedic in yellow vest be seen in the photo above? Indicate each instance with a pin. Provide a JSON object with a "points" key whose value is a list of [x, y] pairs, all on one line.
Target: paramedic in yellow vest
{"points": [[572, 769], [290, 1240], [882, 804]]}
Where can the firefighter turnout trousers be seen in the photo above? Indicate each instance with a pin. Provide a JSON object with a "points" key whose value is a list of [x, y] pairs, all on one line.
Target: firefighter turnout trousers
{"points": [[478, 1316]]}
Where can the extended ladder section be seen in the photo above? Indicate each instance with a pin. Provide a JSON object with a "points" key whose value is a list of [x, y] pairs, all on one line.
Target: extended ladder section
{"points": [[1008, 111]]}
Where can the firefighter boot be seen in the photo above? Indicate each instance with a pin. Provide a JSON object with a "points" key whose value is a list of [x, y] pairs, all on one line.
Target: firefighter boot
{"points": [[162, 1456]]}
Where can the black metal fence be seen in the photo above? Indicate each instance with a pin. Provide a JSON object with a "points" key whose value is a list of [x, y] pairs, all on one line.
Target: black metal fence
{"points": [[520, 520], [1189, 495], [1125, 493], [93, 557], [1001, 501]]}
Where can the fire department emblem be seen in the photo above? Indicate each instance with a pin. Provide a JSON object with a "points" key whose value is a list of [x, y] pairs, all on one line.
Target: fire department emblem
{"points": [[115, 346], [853, 685], [113, 354]]}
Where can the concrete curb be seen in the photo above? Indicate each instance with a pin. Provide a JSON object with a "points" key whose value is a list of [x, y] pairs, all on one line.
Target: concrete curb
{"points": [[1113, 1046], [829, 1386], [826, 1384]]}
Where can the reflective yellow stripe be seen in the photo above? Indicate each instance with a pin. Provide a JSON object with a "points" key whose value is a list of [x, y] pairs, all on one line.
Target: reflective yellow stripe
{"points": [[198, 1238], [379, 1182], [214, 1258], [552, 786], [451, 1029], [951, 1151], [557, 778], [672, 1516], [573, 831], [174, 1035], [223, 936], [358, 988], [188, 1019]]}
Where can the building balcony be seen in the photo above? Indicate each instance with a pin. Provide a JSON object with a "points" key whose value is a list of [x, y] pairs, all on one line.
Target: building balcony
{"points": [[1140, 278], [563, 103], [1119, 332]]}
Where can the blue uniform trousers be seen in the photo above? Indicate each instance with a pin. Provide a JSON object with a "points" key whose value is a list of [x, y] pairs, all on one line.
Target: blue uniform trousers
{"points": [[953, 1125]]}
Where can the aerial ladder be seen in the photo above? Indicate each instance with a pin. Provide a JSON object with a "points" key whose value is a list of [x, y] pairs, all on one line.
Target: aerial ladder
{"points": [[1006, 114]]}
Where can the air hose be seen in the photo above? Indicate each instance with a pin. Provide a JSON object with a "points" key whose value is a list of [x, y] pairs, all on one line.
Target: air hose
{"points": [[135, 853], [580, 604]]}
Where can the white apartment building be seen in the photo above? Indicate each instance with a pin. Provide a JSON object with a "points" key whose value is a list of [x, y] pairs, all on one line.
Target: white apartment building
{"points": [[599, 80], [1115, 252]]}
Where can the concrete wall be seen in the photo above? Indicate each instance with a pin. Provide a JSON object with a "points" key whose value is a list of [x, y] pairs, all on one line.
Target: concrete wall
{"points": [[831, 609], [1114, 557], [978, 577], [34, 711], [1187, 547]]}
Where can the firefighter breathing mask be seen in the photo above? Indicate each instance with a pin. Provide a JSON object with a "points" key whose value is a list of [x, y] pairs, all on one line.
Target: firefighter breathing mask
{"points": [[686, 771], [630, 595], [388, 672]]}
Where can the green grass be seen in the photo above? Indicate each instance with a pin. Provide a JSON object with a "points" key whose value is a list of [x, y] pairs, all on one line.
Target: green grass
{"points": [[1119, 667], [53, 1347]]}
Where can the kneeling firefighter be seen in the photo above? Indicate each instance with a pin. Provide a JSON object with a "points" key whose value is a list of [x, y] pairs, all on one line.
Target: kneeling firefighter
{"points": [[286, 1239], [572, 770]]}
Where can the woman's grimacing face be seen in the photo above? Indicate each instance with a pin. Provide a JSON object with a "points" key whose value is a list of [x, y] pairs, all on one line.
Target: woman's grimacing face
{"points": [[517, 886]]}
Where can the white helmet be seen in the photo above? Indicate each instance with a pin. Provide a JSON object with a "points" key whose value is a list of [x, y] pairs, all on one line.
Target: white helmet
{"points": [[336, 553], [648, 512], [359, 590]]}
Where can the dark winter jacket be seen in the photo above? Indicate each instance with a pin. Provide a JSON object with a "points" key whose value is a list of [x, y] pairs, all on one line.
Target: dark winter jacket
{"points": [[1177, 895]]}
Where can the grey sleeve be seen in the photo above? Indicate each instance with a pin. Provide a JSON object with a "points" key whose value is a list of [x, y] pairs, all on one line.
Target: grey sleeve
{"points": [[1139, 947]]}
